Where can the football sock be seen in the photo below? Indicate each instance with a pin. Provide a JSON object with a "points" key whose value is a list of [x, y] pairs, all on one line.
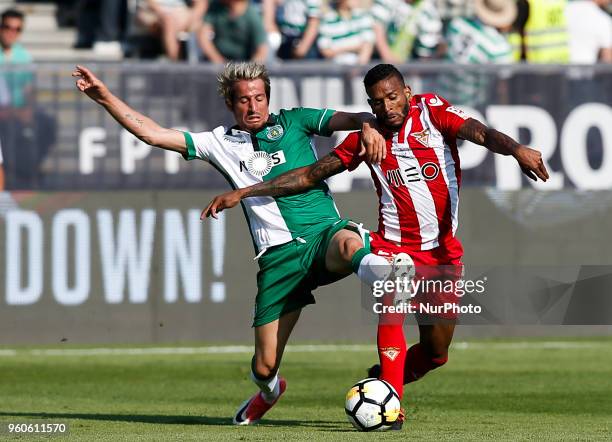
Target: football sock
{"points": [[370, 267], [392, 355], [270, 387], [418, 363]]}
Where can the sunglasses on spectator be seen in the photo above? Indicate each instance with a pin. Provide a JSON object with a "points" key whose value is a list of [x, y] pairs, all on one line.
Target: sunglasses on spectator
{"points": [[11, 28]]}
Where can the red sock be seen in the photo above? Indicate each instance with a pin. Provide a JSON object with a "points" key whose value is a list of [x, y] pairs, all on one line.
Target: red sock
{"points": [[392, 354], [418, 363]]}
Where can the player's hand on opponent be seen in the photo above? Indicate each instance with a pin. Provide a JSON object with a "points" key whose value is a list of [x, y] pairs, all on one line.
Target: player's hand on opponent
{"points": [[221, 202], [91, 85], [531, 163], [373, 144]]}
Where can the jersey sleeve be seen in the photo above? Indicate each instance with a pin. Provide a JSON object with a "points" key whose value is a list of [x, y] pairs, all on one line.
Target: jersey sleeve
{"points": [[314, 121], [348, 151], [446, 117], [198, 144]]}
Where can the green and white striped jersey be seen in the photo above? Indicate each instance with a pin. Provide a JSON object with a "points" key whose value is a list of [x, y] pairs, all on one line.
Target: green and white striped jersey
{"points": [[295, 14], [336, 32], [472, 42], [244, 159], [418, 22]]}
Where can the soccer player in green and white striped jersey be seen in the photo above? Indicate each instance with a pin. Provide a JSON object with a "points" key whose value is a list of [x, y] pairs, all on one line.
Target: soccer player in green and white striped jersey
{"points": [[301, 241]]}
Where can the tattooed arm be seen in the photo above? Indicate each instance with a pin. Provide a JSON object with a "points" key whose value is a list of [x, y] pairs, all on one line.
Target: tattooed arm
{"points": [[529, 159], [289, 183], [141, 126]]}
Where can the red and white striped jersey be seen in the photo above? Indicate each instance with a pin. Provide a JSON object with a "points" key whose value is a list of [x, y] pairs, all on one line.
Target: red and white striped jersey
{"points": [[418, 182]]}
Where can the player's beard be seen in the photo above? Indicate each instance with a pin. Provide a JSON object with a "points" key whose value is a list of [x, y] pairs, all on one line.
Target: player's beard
{"points": [[395, 128]]}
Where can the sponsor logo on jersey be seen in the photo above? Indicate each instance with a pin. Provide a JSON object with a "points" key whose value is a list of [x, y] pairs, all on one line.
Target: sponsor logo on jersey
{"points": [[430, 171], [422, 137], [390, 352], [398, 177], [435, 101], [261, 163], [456, 111], [275, 132]]}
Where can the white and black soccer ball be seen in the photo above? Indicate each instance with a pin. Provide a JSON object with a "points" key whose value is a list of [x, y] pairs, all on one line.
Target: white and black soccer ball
{"points": [[372, 404]]}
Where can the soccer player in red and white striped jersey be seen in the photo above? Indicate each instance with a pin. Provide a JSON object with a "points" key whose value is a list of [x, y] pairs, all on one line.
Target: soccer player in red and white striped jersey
{"points": [[417, 180]]}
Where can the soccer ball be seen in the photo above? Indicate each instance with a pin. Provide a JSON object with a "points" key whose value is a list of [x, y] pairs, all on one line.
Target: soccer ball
{"points": [[372, 404]]}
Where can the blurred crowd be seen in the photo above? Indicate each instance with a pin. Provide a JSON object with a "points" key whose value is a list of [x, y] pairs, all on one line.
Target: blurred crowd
{"points": [[353, 32], [347, 31]]}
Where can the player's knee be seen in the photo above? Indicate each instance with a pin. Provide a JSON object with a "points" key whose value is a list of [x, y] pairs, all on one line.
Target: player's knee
{"points": [[265, 367], [348, 246], [439, 360], [437, 354]]}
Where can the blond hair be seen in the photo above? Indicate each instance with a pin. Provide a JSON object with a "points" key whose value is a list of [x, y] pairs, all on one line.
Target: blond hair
{"points": [[234, 72]]}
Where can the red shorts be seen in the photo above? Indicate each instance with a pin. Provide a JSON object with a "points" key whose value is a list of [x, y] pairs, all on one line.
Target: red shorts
{"points": [[449, 254], [437, 273]]}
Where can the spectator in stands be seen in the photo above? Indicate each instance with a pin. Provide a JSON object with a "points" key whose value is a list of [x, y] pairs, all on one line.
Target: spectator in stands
{"points": [[545, 38], [269, 12], [449, 9], [298, 23], [15, 86], [100, 26], [233, 30], [346, 35], [406, 29], [590, 31], [168, 18], [478, 40], [26, 133]]}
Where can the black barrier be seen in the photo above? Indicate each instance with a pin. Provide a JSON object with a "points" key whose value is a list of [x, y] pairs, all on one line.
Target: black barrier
{"points": [[68, 142]]}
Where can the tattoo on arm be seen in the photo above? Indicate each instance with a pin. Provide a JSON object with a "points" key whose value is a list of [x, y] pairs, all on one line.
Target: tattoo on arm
{"points": [[473, 130], [476, 132], [297, 180], [139, 121]]}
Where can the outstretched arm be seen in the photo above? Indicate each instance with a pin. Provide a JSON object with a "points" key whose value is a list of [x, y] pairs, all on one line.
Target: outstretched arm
{"points": [[289, 183], [141, 126], [529, 159]]}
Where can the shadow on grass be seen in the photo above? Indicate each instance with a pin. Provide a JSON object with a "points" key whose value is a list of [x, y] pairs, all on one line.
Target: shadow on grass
{"points": [[164, 419]]}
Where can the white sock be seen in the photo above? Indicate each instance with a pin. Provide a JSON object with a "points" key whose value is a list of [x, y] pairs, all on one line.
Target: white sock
{"points": [[270, 388], [373, 268]]}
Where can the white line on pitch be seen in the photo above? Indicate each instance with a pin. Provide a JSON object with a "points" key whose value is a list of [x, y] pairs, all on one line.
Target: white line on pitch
{"points": [[236, 349]]}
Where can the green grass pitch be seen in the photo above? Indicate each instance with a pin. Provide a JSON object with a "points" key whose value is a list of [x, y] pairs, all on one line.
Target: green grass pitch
{"points": [[493, 390]]}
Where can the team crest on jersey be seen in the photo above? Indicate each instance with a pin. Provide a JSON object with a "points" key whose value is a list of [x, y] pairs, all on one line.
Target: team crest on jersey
{"points": [[275, 132], [261, 163], [390, 352], [422, 137]]}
